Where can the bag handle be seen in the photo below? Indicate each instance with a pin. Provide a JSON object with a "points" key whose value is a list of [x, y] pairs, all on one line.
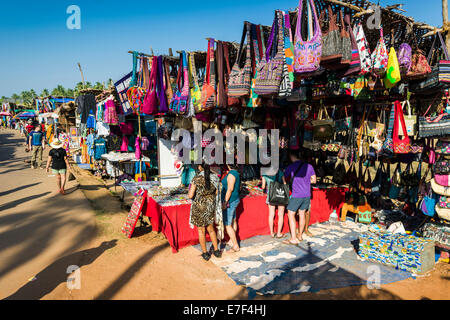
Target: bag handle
{"points": [[399, 117], [298, 27], [208, 64], [444, 47], [271, 37], [241, 47], [409, 106], [146, 73], [192, 69]]}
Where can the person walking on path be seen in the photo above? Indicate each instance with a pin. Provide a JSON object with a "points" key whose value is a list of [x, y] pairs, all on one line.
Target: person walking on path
{"points": [[231, 185], [204, 191], [267, 180], [57, 158], [36, 143], [302, 176]]}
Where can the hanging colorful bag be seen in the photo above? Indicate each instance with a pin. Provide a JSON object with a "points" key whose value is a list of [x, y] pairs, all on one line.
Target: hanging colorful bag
{"points": [[439, 78], [363, 49], [161, 88], [400, 145], [410, 121], [150, 105], [355, 64], [307, 53], [331, 40], [208, 100], [240, 78], [380, 57], [196, 93], [404, 58], [393, 70], [419, 66], [270, 69], [388, 145], [254, 99], [434, 126], [287, 77], [180, 100]]}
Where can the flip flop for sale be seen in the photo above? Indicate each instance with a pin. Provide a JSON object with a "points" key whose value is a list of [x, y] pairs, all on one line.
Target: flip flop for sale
{"points": [[281, 236]]}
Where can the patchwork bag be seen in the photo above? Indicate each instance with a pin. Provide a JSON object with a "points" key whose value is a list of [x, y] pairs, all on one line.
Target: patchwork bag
{"points": [[240, 78], [208, 100], [307, 53], [363, 49], [180, 100], [400, 145], [232, 102], [428, 204], [380, 57], [269, 69], [355, 64], [287, 76], [404, 58], [255, 100]]}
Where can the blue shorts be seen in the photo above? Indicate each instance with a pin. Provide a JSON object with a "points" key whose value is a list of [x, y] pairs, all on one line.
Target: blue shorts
{"points": [[229, 214], [296, 204]]}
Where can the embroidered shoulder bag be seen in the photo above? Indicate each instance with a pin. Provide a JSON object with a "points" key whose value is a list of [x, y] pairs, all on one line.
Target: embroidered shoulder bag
{"points": [[208, 100], [307, 53], [400, 145], [240, 78], [180, 103]]}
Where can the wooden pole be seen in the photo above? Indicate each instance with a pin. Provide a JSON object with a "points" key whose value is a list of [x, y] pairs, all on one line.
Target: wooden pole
{"points": [[82, 76], [445, 22]]}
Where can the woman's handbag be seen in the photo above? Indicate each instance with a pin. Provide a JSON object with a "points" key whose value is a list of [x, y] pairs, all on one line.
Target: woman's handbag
{"points": [[441, 190], [392, 70], [395, 188], [180, 100], [409, 178], [208, 100], [441, 166], [428, 204], [363, 49], [196, 93], [323, 128], [346, 43], [442, 179], [279, 194], [443, 147], [355, 63], [410, 121], [439, 78], [232, 103], [380, 57], [436, 126], [400, 145], [404, 58], [419, 66], [270, 69], [331, 40], [240, 78], [150, 105], [385, 181], [307, 53]]}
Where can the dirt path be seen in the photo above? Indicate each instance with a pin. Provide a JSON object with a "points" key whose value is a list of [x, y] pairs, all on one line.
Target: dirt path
{"points": [[144, 267]]}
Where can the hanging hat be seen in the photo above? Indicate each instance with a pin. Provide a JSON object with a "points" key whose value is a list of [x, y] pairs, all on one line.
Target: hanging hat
{"points": [[56, 144]]}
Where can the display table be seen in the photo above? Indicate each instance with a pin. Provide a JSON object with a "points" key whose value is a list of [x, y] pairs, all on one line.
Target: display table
{"points": [[252, 217]]}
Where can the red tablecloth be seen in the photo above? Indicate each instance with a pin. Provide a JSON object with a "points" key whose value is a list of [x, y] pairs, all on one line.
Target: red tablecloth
{"points": [[252, 217]]}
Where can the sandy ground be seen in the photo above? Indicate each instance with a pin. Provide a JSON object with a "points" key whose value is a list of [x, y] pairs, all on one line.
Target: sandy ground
{"points": [[60, 234]]}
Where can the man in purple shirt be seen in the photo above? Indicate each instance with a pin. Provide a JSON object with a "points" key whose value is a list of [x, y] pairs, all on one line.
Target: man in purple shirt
{"points": [[302, 176]]}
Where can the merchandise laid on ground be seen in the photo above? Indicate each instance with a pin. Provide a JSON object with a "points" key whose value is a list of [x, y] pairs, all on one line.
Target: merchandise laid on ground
{"points": [[368, 108]]}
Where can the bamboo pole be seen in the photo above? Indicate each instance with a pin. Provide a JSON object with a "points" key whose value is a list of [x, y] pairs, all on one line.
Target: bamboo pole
{"points": [[82, 76]]}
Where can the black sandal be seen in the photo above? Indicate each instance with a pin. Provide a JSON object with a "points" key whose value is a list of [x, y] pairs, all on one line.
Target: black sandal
{"points": [[206, 256], [217, 253]]}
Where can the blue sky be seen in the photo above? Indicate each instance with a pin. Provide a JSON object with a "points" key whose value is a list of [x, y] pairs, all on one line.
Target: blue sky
{"points": [[38, 51]]}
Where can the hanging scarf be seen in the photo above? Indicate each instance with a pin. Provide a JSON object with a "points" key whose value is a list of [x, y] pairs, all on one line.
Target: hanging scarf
{"points": [[218, 218]]}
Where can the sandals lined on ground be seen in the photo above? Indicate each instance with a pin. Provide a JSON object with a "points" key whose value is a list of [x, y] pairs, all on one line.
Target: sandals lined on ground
{"points": [[206, 256]]}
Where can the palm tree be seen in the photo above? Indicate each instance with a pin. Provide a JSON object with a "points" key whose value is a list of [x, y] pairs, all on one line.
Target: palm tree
{"points": [[45, 93], [59, 91], [15, 98]]}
